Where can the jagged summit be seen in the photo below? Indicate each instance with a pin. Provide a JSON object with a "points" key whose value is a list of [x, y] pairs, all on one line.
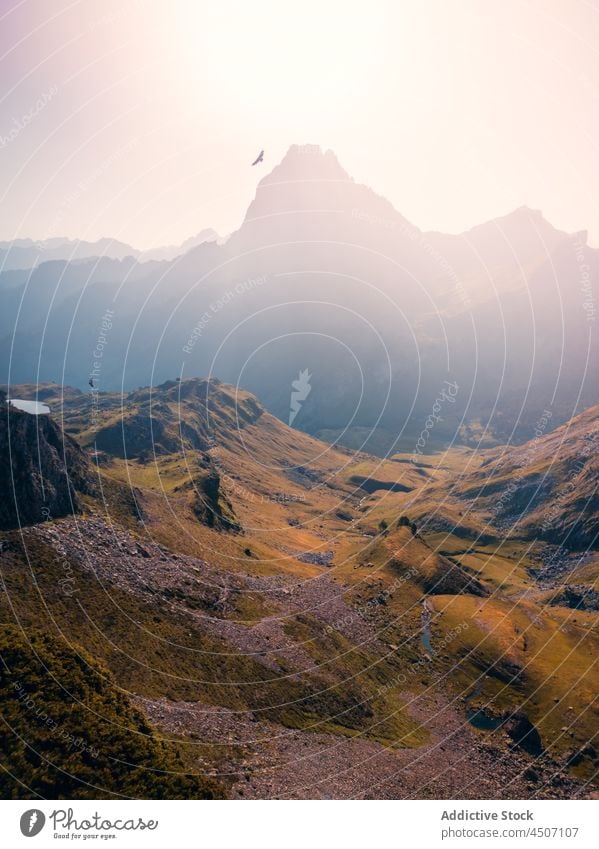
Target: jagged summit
{"points": [[307, 162], [310, 181]]}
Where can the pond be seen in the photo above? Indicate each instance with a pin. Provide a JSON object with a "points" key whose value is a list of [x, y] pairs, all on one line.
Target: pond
{"points": [[481, 720], [478, 717], [35, 408], [425, 639], [425, 633]]}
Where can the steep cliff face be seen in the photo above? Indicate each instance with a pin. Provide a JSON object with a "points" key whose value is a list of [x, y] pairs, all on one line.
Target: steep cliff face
{"points": [[42, 470]]}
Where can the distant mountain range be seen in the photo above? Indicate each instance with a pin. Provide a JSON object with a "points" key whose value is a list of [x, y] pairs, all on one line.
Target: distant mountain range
{"points": [[325, 277], [25, 254]]}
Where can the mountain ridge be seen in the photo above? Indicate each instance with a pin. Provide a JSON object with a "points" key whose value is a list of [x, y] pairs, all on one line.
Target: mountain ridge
{"points": [[404, 306]]}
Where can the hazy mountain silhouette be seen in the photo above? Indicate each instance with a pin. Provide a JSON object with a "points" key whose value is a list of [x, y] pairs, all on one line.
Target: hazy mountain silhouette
{"points": [[24, 254], [324, 275]]}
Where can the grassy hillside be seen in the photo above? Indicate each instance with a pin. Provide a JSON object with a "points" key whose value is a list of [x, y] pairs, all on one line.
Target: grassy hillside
{"points": [[235, 573], [69, 732]]}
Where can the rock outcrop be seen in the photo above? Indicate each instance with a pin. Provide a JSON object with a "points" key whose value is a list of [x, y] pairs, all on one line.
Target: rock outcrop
{"points": [[42, 470]]}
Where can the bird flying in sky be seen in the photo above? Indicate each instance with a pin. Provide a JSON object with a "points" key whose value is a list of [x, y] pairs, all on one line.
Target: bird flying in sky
{"points": [[259, 158]]}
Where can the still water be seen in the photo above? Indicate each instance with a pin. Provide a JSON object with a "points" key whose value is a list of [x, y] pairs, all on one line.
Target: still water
{"points": [[34, 407]]}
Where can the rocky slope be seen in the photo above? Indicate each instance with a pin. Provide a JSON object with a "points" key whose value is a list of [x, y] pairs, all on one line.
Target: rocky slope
{"points": [[328, 645], [547, 488], [42, 471]]}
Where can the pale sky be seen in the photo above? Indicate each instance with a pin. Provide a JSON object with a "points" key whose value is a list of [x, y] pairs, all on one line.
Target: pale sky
{"points": [[138, 120]]}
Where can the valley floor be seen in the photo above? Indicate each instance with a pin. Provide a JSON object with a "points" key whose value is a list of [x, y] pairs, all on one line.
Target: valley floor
{"points": [[276, 763], [279, 618]]}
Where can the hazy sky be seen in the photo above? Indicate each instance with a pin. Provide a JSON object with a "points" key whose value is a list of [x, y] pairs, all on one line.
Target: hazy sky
{"points": [[139, 119]]}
